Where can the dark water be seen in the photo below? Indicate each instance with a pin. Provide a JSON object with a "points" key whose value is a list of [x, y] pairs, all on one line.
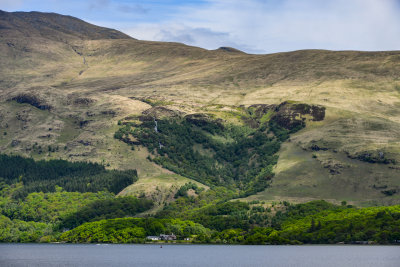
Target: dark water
{"points": [[196, 255]]}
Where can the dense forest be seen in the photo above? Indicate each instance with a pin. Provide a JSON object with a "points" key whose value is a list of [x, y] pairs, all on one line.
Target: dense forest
{"points": [[40, 198], [47, 207], [211, 152], [44, 176], [132, 230], [106, 209], [43, 216], [209, 217], [311, 223]]}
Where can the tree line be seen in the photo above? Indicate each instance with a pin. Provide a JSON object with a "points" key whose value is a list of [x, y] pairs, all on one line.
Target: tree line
{"points": [[328, 225], [44, 176]]}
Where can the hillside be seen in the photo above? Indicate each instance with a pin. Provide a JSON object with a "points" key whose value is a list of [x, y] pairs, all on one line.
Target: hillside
{"points": [[65, 84], [53, 26]]}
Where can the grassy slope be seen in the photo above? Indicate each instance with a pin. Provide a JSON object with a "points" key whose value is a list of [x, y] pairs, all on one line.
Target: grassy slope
{"points": [[303, 174], [159, 188], [360, 90]]}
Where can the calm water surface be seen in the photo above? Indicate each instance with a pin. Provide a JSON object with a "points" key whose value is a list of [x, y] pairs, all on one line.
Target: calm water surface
{"points": [[196, 255]]}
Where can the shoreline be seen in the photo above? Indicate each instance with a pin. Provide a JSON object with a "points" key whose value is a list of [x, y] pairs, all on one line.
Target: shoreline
{"points": [[189, 243]]}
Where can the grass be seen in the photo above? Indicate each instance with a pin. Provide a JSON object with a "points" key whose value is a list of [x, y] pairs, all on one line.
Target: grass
{"points": [[301, 177], [266, 117], [160, 188], [361, 95], [70, 131], [397, 87]]}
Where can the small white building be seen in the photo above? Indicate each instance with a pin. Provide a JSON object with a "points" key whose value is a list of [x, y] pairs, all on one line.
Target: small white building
{"points": [[153, 238], [167, 237]]}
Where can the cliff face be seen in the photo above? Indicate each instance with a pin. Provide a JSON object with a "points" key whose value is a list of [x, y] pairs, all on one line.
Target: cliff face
{"points": [[65, 84], [291, 115]]}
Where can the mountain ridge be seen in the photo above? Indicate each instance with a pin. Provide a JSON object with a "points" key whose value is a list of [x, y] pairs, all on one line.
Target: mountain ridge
{"points": [[46, 24], [90, 84]]}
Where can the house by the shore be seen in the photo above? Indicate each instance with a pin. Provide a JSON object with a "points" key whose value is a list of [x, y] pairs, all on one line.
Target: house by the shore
{"points": [[168, 237], [162, 237], [153, 238]]}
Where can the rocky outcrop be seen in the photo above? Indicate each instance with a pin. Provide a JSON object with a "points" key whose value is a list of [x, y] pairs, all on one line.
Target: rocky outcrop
{"points": [[84, 123], [373, 157], [159, 113], [109, 112], [261, 109], [333, 166], [32, 100], [23, 116], [292, 115], [289, 115], [315, 147], [83, 101], [202, 120]]}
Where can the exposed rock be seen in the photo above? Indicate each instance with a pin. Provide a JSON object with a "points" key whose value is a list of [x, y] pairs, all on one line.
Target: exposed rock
{"points": [[379, 187], [389, 192], [158, 113], [15, 143], [109, 112], [201, 120], [84, 154], [84, 101], [253, 123], [318, 113], [32, 100], [261, 109], [373, 157], [293, 115], [289, 115], [129, 139], [84, 123], [23, 115], [85, 142], [333, 166], [315, 147]]}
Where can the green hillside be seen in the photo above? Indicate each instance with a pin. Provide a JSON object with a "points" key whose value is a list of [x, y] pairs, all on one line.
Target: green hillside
{"points": [[310, 223], [67, 87]]}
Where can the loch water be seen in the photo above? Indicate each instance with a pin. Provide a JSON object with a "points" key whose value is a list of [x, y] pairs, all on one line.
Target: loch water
{"points": [[197, 255]]}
